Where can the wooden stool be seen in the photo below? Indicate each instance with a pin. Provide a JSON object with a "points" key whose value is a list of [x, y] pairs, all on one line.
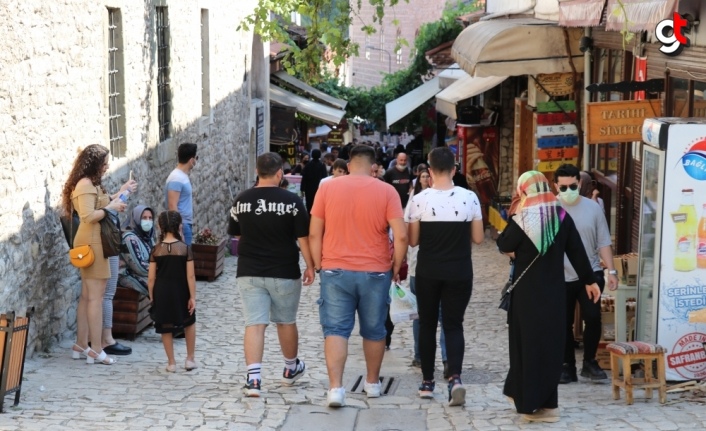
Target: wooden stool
{"points": [[632, 351]]}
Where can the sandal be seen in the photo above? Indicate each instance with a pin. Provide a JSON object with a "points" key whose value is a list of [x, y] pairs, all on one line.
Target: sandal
{"points": [[77, 351], [103, 358], [190, 365]]}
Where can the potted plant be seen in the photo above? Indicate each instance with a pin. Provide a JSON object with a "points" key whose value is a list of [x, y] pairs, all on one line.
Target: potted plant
{"points": [[209, 254]]}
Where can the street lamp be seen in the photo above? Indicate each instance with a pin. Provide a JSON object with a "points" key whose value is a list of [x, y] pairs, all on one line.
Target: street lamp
{"points": [[389, 57]]}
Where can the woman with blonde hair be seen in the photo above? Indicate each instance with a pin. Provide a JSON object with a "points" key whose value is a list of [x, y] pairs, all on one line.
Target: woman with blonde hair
{"points": [[84, 193]]}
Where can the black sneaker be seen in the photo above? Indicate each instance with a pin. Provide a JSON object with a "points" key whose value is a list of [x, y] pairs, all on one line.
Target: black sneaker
{"points": [[457, 392], [291, 376], [252, 388], [568, 374], [426, 389], [593, 371]]}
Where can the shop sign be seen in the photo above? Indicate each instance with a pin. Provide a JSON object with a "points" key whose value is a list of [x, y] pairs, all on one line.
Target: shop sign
{"points": [[553, 165], [558, 118], [557, 130], [621, 121], [557, 141], [558, 153], [562, 105], [555, 84], [335, 137]]}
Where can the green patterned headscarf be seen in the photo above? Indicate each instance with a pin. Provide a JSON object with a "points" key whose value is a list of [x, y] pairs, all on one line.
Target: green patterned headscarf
{"points": [[539, 213]]}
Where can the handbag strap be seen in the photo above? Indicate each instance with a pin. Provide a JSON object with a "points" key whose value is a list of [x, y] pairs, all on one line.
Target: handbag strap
{"points": [[523, 273]]}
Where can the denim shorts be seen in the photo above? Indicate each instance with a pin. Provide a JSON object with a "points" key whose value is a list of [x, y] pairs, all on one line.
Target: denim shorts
{"points": [[186, 229], [268, 300], [345, 292]]}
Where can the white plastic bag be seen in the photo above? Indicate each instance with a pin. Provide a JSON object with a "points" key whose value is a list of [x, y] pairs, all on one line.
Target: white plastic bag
{"points": [[403, 304]]}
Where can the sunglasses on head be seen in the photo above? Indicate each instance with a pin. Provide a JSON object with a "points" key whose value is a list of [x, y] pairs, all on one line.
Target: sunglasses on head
{"points": [[573, 186]]}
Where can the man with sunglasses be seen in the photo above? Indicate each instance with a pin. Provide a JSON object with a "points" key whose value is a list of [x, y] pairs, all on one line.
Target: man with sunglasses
{"points": [[595, 235]]}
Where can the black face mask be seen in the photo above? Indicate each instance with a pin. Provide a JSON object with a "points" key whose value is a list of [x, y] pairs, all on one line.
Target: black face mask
{"points": [[304, 162]]}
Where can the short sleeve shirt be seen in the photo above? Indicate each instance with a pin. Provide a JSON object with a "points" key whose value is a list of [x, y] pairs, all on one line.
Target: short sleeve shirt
{"points": [[356, 210], [178, 181], [445, 218], [591, 223], [268, 220]]}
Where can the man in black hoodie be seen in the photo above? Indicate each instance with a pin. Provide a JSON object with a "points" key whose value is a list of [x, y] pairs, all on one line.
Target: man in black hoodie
{"points": [[312, 174]]}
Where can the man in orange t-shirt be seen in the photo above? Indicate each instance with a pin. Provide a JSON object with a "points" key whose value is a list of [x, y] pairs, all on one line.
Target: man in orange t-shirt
{"points": [[349, 243]]}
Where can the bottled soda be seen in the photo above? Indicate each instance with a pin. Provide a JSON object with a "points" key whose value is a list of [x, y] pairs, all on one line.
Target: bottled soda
{"points": [[701, 236], [686, 226]]}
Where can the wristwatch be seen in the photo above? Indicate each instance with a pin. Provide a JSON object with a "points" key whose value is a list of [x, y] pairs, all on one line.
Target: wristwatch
{"points": [[318, 271], [613, 272]]}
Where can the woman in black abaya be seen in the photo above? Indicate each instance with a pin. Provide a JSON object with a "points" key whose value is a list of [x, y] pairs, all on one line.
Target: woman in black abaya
{"points": [[540, 228]]}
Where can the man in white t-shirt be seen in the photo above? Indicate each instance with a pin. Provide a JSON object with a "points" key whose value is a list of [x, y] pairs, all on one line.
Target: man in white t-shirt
{"points": [[444, 220]]}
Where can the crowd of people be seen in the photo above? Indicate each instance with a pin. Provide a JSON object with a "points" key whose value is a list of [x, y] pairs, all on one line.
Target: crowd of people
{"points": [[359, 231]]}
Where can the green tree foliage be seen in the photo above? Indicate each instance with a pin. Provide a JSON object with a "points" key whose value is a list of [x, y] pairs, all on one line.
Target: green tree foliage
{"points": [[326, 23], [370, 103]]}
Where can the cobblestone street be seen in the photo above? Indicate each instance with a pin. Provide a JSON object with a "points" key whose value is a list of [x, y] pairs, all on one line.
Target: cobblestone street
{"points": [[137, 394]]}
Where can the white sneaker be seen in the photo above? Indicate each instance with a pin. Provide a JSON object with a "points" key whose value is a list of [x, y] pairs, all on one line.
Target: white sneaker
{"points": [[337, 397], [372, 390]]}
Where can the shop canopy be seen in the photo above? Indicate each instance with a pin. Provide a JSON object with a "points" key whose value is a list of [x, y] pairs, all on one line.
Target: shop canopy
{"points": [[309, 90], [463, 89], [450, 75], [321, 112], [514, 47], [637, 15], [402, 106], [581, 13]]}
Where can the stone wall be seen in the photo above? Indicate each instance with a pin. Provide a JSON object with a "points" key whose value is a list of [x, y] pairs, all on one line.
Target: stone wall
{"points": [[53, 102], [411, 15]]}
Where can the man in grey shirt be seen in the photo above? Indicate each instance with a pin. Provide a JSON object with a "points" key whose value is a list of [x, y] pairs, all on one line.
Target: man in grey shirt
{"points": [[592, 226]]}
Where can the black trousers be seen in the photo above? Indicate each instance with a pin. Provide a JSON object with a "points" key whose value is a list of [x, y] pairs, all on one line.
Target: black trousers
{"points": [[591, 314], [453, 295]]}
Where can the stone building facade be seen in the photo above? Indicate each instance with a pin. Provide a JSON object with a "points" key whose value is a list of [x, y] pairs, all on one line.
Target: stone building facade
{"points": [[66, 70], [368, 68]]}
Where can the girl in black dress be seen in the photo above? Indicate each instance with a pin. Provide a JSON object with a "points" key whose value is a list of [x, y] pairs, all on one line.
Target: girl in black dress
{"points": [[172, 287], [540, 229]]}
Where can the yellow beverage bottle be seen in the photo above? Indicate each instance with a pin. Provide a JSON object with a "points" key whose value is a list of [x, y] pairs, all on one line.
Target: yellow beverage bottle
{"points": [[686, 226]]}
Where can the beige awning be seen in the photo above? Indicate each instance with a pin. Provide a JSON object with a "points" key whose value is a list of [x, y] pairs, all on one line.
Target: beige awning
{"points": [[463, 89], [309, 90], [580, 13], [640, 15], [401, 107], [514, 47], [313, 109], [450, 75]]}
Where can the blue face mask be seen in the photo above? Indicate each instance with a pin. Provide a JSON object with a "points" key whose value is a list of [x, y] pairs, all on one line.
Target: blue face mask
{"points": [[146, 225]]}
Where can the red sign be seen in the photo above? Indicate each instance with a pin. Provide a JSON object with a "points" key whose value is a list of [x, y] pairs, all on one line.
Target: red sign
{"points": [[640, 75], [558, 153], [555, 118]]}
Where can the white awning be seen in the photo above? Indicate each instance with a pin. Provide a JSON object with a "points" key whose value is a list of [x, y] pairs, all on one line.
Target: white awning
{"points": [[463, 89], [514, 47], [309, 90], [319, 111], [401, 107], [451, 75], [638, 15], [580, 13], [320, 131]]}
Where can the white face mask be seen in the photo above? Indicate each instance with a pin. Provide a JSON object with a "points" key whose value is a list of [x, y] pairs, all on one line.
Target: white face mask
{"points": [[401, 167], [569, 196], [146, 225]]}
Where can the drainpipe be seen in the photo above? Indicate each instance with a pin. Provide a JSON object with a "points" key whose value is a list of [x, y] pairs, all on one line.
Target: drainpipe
{"points": [[586, 99]]}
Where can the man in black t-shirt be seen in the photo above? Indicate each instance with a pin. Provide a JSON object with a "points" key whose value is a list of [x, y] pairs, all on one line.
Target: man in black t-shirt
{"points": [[269, 221], [400, 178]]}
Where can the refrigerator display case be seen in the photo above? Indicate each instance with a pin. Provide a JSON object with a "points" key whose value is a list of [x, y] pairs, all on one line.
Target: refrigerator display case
{"points": [[672, 250]]}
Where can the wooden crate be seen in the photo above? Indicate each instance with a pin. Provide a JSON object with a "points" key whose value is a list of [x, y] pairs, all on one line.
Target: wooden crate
{"points": [[209, 260], [130, 313]]}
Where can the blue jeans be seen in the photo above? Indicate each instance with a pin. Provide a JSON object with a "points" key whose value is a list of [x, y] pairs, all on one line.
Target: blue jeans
{"points": [[415, 329], [345, 292], [188, 233]]}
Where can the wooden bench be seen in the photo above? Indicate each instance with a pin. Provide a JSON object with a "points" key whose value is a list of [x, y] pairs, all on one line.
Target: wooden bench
{"points": [[130, 313], [13, 348]]}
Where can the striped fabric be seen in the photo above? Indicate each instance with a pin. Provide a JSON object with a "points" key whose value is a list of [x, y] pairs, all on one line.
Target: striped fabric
{"points": [[539, 213], [634, 347]]}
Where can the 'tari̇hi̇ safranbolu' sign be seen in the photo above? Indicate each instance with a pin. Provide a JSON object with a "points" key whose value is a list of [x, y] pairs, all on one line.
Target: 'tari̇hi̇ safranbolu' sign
{"points": [[619, 121]]}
